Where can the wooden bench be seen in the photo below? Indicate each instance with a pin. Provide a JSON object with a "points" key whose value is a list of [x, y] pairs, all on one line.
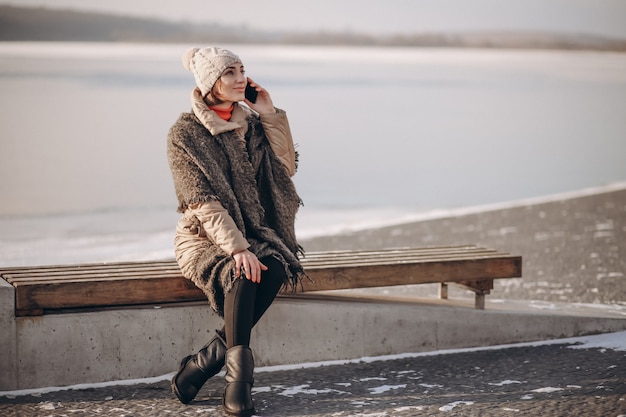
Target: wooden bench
{"points": [[43, 289]]}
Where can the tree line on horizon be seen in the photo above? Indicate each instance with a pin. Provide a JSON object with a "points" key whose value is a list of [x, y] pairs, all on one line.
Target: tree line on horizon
{"points": [[42, 24]]}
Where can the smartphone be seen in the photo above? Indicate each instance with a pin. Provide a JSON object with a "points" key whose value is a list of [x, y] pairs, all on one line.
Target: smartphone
{"points": [[251, 93]]}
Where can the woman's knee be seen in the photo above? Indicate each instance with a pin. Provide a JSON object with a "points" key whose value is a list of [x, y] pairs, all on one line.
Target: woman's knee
{"points": [[275, 270]]}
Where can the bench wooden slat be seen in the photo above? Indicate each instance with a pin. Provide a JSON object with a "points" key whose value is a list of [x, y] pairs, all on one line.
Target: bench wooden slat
{"points": [[346, 277], [390, 260], [113, 268], [311, 258], [53, 296], [389, 253], [40, 289], [172, 267], [426, 249], [115, 273], [112, 275]]}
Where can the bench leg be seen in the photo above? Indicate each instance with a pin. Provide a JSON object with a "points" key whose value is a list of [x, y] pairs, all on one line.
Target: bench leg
{"points": [[479, 301], [443, 291]]}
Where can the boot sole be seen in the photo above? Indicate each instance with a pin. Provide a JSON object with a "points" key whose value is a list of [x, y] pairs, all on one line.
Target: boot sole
{"points": [[247, 413]]}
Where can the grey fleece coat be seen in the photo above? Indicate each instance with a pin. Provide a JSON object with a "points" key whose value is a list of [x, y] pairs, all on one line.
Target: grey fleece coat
{"points": [[250, 182]]}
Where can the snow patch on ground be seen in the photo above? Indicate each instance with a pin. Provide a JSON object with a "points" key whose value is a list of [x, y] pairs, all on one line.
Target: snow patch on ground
{"points": [[303, 389], [409, 408], [451, 406], [505, 382], [613, 341], [431, 385], [547, 389], [261, 389], [385, 388]]}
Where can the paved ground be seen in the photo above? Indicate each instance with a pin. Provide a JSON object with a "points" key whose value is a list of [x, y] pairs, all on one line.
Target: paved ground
{"points": [[552, 380]]}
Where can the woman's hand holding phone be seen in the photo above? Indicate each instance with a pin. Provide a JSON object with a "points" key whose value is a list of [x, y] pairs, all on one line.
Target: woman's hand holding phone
{"points": [[261, 102]]}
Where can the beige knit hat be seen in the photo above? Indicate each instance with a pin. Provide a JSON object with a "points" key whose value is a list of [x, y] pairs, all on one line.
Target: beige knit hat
{"points": [[207, 65]]}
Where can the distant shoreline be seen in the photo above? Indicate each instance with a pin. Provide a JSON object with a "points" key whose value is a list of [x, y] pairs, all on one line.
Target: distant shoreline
{"points": [[43, 24]]}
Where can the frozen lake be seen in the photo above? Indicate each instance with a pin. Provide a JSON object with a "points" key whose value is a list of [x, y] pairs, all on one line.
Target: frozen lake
{"points": [[382, 132]]}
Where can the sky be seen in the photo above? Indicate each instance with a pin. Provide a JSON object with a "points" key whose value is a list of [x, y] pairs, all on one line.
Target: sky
{"points": [[597, 17]]}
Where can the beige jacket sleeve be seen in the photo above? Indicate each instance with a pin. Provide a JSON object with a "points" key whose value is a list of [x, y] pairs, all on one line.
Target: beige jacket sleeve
{"points": [[278, 133], [220, 227]]}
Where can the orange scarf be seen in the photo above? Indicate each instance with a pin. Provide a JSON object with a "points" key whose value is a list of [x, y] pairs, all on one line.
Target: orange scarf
{"points": [[224, 113]]}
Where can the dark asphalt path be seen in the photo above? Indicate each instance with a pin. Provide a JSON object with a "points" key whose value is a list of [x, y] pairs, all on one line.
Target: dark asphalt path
{"points": [[545, 380]]}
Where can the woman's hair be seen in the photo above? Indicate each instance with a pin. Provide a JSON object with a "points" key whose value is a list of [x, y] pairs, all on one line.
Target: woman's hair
{"points": [[215, 95]]}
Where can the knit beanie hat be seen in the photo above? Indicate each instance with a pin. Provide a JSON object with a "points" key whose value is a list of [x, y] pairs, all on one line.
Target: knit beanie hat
{"points": [[207, 65]]}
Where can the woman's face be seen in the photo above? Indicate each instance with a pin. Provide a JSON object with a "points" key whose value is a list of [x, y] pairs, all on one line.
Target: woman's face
{"points": [[231, 85]]}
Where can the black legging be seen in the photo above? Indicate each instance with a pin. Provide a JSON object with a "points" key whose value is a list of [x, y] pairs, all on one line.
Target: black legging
{"points": [[246, 302]]}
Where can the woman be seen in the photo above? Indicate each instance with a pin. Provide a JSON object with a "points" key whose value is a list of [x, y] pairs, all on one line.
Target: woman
{"points": [[232, 168]]}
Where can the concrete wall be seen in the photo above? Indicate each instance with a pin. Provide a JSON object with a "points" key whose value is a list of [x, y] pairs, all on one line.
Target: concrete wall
{"points": [[67, 349], [74, 348], [8, 336], [294, 331]]}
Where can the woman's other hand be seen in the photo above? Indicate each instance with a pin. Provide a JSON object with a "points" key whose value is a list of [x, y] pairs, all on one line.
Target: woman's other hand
{"points": [[263, 104], [251, 265]]}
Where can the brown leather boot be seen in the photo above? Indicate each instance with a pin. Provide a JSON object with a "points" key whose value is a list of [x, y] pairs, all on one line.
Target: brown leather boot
{"points": [[237, 398], [196, 369]]}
